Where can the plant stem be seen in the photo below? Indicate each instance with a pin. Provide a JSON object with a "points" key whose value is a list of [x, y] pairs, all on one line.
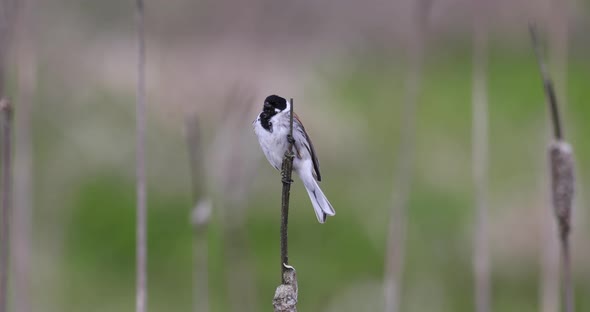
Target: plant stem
{"points": [[548, 86], [6, 111], [481, 254], [22, 230], [141, 286], [402, 180], [286, 172], [568, 292], [200, 215], [562, 179]]}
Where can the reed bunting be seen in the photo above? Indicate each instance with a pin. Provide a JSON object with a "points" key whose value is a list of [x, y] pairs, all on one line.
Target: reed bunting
{"points": [[272, 129]]}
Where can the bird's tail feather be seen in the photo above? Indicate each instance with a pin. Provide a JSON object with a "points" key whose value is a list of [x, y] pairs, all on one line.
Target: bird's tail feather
{"points": [[321, 205]]}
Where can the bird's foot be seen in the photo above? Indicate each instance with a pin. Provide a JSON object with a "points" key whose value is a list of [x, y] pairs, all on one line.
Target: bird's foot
{"points": [[290, 139], [286, 179]]}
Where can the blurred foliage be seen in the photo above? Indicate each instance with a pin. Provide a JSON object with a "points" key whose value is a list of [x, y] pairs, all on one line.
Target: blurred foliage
{"points": [[85, 193]]}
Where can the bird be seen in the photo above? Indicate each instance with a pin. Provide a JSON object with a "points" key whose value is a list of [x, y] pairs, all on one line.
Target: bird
{"points": [[272, 129]]}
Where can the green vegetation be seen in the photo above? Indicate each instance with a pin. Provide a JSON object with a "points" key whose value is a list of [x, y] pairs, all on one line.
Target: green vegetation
{"points": [[344, 257]]}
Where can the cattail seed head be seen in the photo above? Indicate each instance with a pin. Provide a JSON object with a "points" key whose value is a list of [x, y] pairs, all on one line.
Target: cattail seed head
{"points": [[562, 183]]}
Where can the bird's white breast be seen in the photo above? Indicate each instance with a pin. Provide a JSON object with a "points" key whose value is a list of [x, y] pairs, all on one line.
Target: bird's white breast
{"points": [[273, 144]]}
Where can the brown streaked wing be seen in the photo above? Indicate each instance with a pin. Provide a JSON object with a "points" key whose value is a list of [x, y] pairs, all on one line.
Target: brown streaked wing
{"points": [[310, 149]]}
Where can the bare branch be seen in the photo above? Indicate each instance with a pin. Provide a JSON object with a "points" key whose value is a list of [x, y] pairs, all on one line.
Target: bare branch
{"points": [[6, 112], [141, 296]]}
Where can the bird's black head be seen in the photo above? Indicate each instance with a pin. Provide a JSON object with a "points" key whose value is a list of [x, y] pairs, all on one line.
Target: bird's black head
{"points": [[273, 104]]}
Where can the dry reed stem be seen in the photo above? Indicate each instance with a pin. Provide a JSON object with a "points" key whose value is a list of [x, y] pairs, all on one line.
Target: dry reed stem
{"points": [[286, 172], [481, 253], [286, 294], [23, 162], [7, 13], [200, 217], [141, 283], [6, 202], [396, 240], [561, 165], [231, 169]]}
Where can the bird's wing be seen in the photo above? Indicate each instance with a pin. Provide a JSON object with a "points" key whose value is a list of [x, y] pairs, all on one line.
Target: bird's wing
{"points": [[309, 146]]}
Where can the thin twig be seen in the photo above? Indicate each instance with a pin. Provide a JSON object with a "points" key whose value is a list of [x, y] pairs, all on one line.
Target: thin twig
{"points": [[200, 216], [568, 287], [6, 111], [286, 171], [481, 253], [548, 85], [7, 12], [141, 296], [402, 180], [550, 280], [285, 299], [232, 159], [562, 180], [23, 157], [8, 9]]}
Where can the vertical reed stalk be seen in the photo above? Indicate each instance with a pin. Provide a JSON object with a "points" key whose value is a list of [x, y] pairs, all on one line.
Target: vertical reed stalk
{"points": [[402, 180], [481, 253], [285, 299], [141, 286], [561, 165]]}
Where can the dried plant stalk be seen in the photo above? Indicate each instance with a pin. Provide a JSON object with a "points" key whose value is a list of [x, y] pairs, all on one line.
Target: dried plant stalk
{"points": [[6, 202], [286, 172], [396, 239], [286, 294], [141, 283], [200, 217], [481, 253], [561, 165], [23, 159], [7, 13]]}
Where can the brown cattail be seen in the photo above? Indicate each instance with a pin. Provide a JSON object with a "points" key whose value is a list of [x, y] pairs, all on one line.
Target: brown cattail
{"points": [[562, 183]]}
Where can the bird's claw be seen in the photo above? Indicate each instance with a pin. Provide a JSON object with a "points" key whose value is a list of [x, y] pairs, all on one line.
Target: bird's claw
{"points": [[290, 139], [285, 179]]}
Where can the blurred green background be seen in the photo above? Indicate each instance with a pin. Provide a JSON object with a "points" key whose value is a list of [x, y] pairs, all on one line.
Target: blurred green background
{"points": [[345, 64]]}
